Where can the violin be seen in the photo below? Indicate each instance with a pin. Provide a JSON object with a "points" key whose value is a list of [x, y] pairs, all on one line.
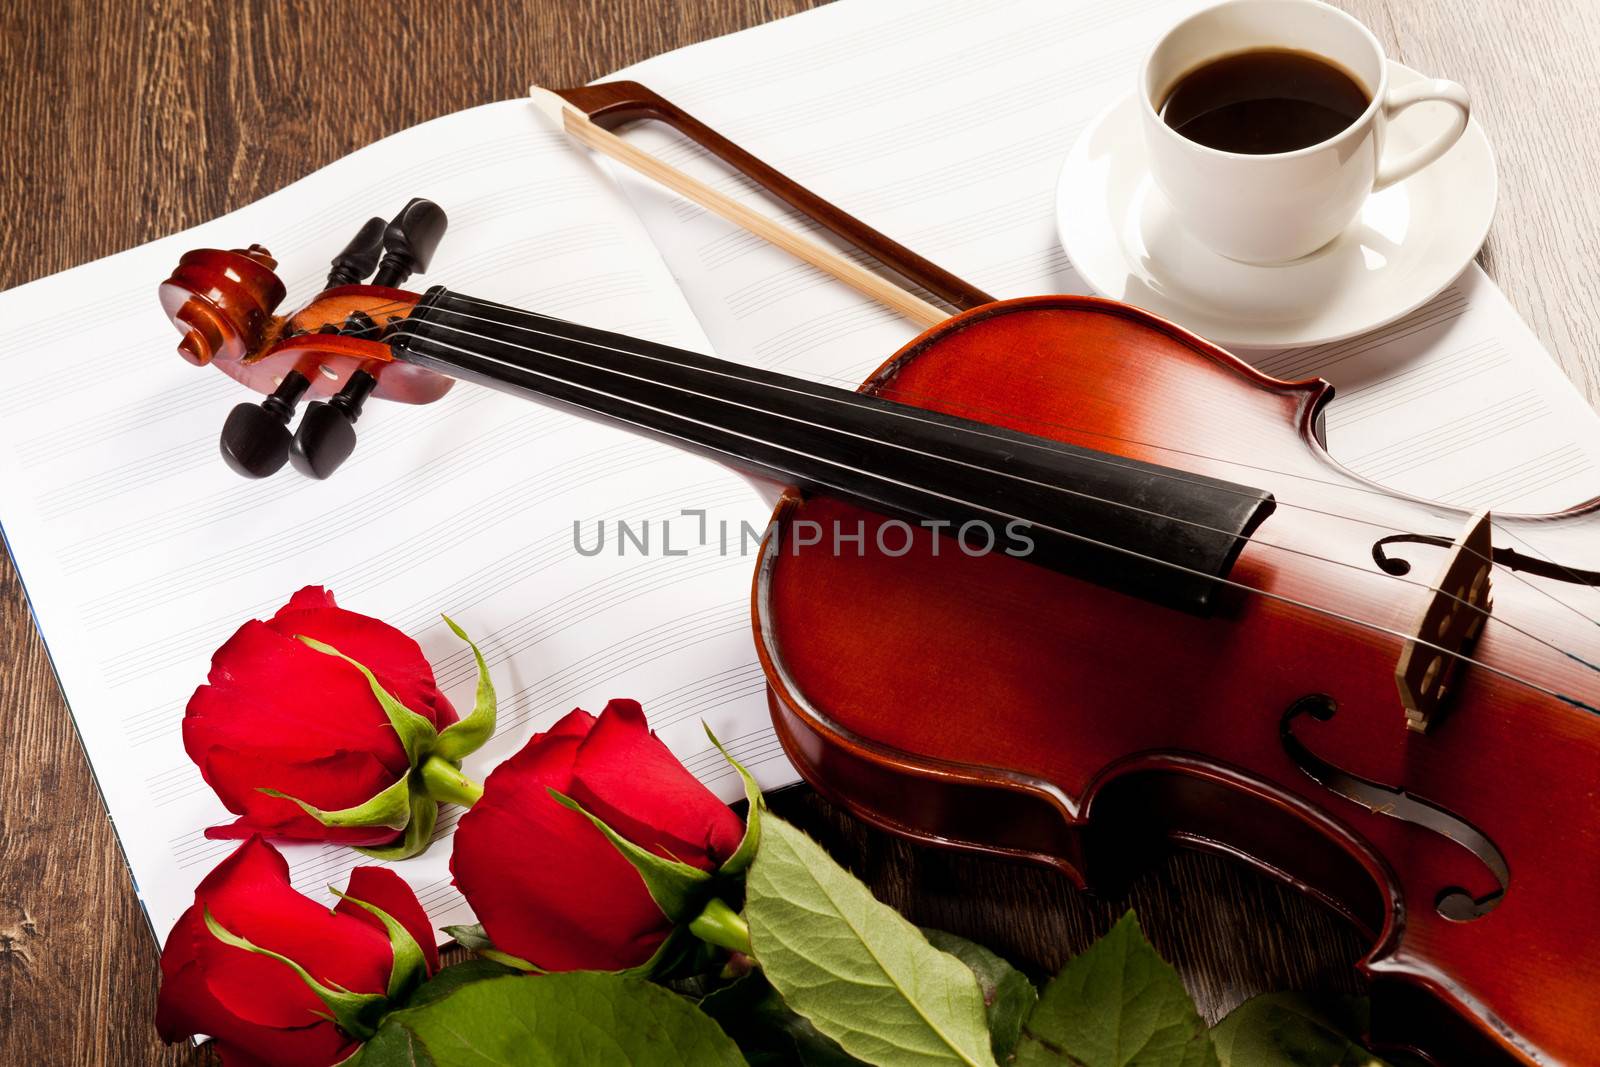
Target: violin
{"points": [[1140, 604]]}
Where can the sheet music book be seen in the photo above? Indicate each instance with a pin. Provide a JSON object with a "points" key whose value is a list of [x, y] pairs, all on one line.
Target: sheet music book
{"points": [[942, 125]]}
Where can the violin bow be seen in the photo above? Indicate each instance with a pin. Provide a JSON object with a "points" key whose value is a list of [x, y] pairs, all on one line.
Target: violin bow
{"points": [[588, 115]]}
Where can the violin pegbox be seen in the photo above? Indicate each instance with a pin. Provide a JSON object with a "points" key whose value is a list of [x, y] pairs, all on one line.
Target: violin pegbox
{"points": [[332, 352]]}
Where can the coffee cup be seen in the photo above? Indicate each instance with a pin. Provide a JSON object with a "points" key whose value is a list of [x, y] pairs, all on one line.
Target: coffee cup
{"points": [[1260, 205]]}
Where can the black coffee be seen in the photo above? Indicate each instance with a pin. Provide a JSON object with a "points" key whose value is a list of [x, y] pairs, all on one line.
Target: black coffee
{"points": [[1265, 101]]}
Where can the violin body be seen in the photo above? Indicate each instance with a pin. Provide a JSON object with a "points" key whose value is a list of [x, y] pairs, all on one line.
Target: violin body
{"points": [[984, 703]]}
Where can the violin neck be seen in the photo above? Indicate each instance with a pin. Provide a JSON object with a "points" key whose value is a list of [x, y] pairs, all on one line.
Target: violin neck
{"points": [[1154, 532]]}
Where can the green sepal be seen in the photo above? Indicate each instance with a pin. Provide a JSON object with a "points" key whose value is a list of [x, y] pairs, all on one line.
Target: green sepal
{"points": [[418, 835], [354, 1013], [677, 888], [389, 808], [745, 854], [506, 959], [470, 936], [462, 738], [417, 734], [410, 967], [677, 949], [473, 938]]}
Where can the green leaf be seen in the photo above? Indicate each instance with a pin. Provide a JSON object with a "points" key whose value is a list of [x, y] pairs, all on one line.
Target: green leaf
{"points": [[1008, 996], [454, 977], [678, 889], [573, 1019], [392, 1046], [745, 854], [389, 808], [862, 974], [418, 835], [1290, 1030], [417, 734], [410, 966], [1117, 1005], [462, 738], [353, 1012], [768, 1031]]}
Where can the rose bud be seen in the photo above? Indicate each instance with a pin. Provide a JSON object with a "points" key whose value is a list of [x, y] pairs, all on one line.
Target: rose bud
{"points": [[321, 724], [261, 969], [551, 889]]}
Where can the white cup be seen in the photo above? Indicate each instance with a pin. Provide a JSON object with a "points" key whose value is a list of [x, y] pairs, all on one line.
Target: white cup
{"points": [[1277, 207]]}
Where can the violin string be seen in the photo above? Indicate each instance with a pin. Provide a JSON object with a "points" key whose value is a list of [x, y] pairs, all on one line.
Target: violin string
{"points": [[975, 410], [1082, 538], [911, 414], [1182, 476], [1472, 552]]}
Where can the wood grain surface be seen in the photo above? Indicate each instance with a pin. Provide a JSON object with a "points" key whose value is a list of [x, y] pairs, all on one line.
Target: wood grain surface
{"points": [[121, 123]]}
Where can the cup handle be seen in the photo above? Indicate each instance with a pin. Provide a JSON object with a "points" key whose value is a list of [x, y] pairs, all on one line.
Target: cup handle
{"points": [[1391, 170]]}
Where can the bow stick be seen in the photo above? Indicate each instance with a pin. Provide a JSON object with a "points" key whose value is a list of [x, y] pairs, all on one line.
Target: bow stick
{"points": [[590, 134]]}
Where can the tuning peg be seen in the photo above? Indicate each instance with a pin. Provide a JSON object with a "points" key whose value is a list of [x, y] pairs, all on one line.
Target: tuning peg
{"points": [[360, 256], [327, 432], [410, 240], [255, 439]]}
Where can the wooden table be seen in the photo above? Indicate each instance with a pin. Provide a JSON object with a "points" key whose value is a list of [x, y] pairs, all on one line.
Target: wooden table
{"points": [[104, 103]]}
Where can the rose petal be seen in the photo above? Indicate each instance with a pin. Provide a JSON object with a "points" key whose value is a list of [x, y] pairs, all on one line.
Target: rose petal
{"points": [[382, 888], [312, 596], [250, 896], [239, 1042], [627, 777], [353, 837], [575, 723], [267, 688], [545, 884], [395, 659], [331, 782]]}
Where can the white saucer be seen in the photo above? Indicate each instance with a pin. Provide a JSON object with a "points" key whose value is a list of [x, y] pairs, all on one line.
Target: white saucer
{"points": [[1410, 241]]}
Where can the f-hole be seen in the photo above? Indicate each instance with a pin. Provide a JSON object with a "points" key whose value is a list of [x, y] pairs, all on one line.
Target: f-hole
{"points": [[1452, 902]]}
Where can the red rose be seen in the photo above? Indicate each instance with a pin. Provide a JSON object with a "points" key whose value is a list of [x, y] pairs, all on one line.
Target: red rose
{"points": [[280, 715], [260, 1012], [545, 883]]}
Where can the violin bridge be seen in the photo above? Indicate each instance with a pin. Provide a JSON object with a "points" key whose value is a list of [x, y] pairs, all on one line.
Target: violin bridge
{"points": [[1448, 627]]}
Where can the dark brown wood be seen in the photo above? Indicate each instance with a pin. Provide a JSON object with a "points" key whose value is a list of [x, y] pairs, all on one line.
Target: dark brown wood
{"points": [[121, 123], [615, 104]]}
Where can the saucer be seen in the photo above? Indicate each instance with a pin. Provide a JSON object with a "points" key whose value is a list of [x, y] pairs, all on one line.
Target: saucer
{"points": [[1408, 243]]}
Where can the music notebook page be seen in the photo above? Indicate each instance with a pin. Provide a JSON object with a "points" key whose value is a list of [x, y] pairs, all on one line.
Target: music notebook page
{"points": [[141, 552], [945, 125]]}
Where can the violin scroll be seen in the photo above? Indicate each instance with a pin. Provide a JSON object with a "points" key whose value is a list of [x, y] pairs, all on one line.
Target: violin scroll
{"points": [[222, 301], [225, 304]]}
